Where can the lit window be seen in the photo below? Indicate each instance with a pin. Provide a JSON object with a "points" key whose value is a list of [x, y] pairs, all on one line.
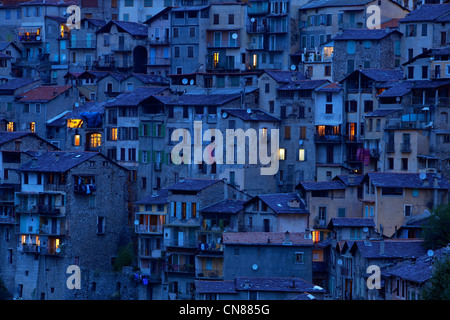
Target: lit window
{"points": [[74, 123], [255, 60], [114, 134], [216, 59], [301, 155], [33, 127], [10, 126], [315, 236], [282, 153], [96, 140], [77, 140]]}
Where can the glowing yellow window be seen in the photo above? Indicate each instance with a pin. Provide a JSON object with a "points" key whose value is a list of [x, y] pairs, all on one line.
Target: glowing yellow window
{"points": [[255, 60], [96, 140], [315, 236], [114, 134], [215, 59], [77, 140], [301, 155], [282, 153], [74, 123], [321, 130], [33, 127], [10, 126]]}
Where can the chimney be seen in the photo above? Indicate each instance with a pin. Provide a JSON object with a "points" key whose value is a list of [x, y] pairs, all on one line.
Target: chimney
{"points": [[367, 241], [382, 246], [57, 156], [34, 162]]}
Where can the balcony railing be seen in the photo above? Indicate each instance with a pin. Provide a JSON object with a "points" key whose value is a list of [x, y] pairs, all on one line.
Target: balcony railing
{"points": [[209, 273], [185, 268], [82, 44], [30, 38], [7, 219], [352, 138], [159, 41], [48, 230], [256, 28], [405, 147], [142, 228], [49, 210], [328, 138], [390, 147]]}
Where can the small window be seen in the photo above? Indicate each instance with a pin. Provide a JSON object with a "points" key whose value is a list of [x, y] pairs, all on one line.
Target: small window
{"points": [[299, 257], [408, 210], [100, 225]]}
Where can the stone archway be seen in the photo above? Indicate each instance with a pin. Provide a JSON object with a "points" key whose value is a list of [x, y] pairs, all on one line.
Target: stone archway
{"points": [[140, 59]]}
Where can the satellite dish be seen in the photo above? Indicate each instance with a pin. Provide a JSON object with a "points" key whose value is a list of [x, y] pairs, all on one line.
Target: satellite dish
{"points": [[300, 142], [293, 67], [76, 104], [430, 253], [136, 222], [249, 111], [58, 250], [255, 267], [365, 229], [422, 176], [224, 114], [252, 19], [234, 36], [184, 81], [191, 82], [339, 262]]}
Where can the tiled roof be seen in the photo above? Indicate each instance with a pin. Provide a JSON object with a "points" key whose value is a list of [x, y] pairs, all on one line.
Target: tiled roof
{"points": [[133, 98], [285, 76], [62, 3], [58, 161], [330, 87], [382, 74], [302, 85], [133, 28], [256, 115], [280, 284], [159, 198], [428, 12], [193, 184], [279, 203], [351, 222], [189, 8], [199, 99], [9, 136], [265, 238], [209, 286], [43, 93], [334, 3], [399, 90], [381, 112], [16, 83], [321, 185], [226, 206], [418, 270], [4, 56], [365, 34], [350, 180], [406, 180], [151, 78], [399, 248]]}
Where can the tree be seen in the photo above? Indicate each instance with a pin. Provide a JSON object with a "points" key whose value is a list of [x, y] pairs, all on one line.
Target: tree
{"points": [[125, 257], [436, 231], [438, 287]]}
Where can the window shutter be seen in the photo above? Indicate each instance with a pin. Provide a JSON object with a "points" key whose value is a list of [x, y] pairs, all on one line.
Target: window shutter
{"points": [[141, 130], [140, 156], [149, 128]]}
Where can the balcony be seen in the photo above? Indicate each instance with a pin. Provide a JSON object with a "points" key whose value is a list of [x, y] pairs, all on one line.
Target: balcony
{"points": [[7, 219], [223, 44], [405, 147], [328, 138], [258, 8], [255, 46], [255, 29], [122, 47], [30, 37], [319, 224], [159, 41], [51, 231], [374, 153], [49, 210], [185, 268], [159, 62], [209, 274], [149, 229], [352, 139], [82, 44]]}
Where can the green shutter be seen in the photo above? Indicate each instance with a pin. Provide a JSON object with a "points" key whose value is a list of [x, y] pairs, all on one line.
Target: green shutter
{"points": [[154, 130], [163, 130], [153, 156], [141, 130], [149, 127], [140, 156]]}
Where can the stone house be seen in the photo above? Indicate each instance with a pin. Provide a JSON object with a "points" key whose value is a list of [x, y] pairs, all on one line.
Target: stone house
{"points": [[265, 254], [275, 213], [62, 222], [391, 199], [122, 47]]}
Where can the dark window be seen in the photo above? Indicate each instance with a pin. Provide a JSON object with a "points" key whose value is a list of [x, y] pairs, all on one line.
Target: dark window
{"points": [[391, 191]]}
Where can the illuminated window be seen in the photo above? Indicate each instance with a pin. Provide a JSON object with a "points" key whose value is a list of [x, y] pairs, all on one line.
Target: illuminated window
{"points": [[96, 140], [114, 134], [77, 140], [74, 123], [255, 60], [215, 59], [315, 236], [62, 31], [33, 127], [301, 155], [10, 127], [321, 130], [282, 154]]}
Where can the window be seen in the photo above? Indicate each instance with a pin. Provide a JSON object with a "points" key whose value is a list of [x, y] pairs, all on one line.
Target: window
{"points": [[410, 72], [95, 140], [190, 50], [341, 212], [216, 19], [391, 163], [129, 3], [176, 52], [192, 32], [407, 210], [302, 133], [287, 132], [282, 154], [424, 72], [33, 127], [424, 30], [26, 108], [329, 108], [368, 105], [392, 191], [299, 257], [77, 140], [411, 30], [148, 3], [405, 164], [100, 225], [231, 19], [301, 155], [322, 214], [175, 32], [327, 71]]}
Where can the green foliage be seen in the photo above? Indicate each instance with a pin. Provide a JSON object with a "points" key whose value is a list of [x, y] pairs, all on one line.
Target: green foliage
{"points": [[438, 288], [125, 257], [436, 232], [4, 294]]}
